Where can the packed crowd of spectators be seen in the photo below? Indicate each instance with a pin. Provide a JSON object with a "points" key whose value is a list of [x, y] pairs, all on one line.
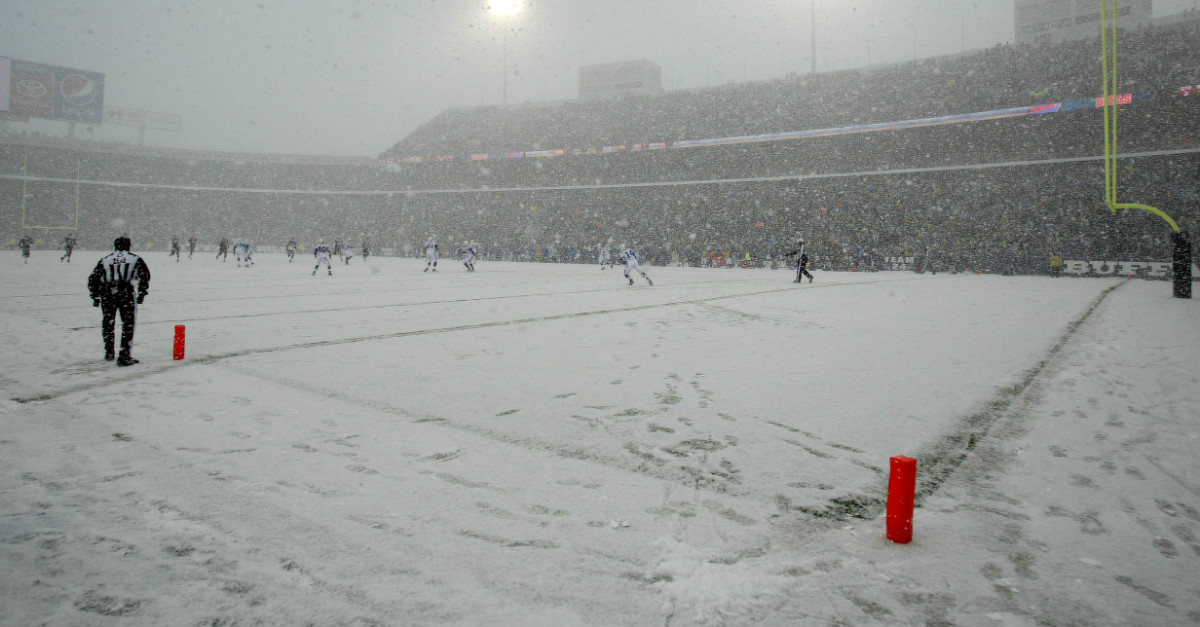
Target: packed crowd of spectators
{"points": [[1001, 219], [997, 78], [999, 195]]}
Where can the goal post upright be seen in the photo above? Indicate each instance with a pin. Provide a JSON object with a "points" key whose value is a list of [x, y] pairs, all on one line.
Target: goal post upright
{"points": [[24, 187], [1181, 257], [25, 196]]}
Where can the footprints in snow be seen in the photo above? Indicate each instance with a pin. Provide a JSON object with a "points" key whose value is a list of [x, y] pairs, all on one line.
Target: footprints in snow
{"points": [[1180, 518]]}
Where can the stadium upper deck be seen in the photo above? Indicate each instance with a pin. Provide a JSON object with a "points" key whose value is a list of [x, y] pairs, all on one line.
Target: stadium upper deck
{"points": [[998, 78]]}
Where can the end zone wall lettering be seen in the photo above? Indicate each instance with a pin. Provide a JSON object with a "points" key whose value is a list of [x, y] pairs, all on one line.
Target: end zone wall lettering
{"points": [[1155, 269]]}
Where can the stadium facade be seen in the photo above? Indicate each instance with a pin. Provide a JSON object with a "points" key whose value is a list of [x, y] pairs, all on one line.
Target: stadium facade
{"points": [[1056, 21], [618, 80]]}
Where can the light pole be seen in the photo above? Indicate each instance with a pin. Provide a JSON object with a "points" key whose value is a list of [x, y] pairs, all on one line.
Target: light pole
{"points": [[503, 9], [813, 35], [504, 56]]}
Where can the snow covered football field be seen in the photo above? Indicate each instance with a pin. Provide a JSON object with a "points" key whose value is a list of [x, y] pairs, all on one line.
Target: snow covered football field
{"points": [[543, 445]]}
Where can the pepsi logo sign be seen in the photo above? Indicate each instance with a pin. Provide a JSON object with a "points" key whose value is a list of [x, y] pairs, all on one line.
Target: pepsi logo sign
{"points": [[77, 89]]}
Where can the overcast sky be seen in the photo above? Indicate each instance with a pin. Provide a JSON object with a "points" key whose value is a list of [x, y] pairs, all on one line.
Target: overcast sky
{"points": [[352, 77]]}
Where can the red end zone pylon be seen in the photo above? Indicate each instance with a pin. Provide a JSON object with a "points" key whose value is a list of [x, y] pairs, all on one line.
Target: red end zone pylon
{"points": [[902, 490], [179, 341]]}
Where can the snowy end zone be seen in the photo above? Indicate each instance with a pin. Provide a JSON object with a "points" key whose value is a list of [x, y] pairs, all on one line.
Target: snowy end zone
{"points": [[542, 444]]}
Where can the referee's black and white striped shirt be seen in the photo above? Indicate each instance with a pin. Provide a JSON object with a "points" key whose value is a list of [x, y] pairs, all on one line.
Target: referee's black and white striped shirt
{"points": [[118, 274]]}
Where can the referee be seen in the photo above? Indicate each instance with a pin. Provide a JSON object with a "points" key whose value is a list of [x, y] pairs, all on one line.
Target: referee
{"points": [[112, 285]]}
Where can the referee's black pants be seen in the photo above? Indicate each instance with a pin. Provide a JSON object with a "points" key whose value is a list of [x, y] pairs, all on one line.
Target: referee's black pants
{"points": [[127, 307]]}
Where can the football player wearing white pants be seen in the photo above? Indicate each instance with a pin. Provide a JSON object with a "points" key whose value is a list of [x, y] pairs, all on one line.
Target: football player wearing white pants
{"points": [[431, 252], [469, 260], [632, 265], [322, 253]]}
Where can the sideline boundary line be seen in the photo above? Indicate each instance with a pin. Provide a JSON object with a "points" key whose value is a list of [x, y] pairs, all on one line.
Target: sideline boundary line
{"points": [[941, 457]]}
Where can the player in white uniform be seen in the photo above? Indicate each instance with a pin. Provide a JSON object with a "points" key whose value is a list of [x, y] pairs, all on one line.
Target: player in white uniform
{"points": [[431, 254], [241, 251], [469, 260], [605, 259], [631, 264], [322, 253], [347, 253]]}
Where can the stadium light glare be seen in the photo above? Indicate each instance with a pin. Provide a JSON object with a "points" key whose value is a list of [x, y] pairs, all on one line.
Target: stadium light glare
{"points": [[504, 7]]}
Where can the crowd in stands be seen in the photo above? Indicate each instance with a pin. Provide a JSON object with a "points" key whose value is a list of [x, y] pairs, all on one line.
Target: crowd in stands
{"points": [[999, 195], [997, 78]]}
